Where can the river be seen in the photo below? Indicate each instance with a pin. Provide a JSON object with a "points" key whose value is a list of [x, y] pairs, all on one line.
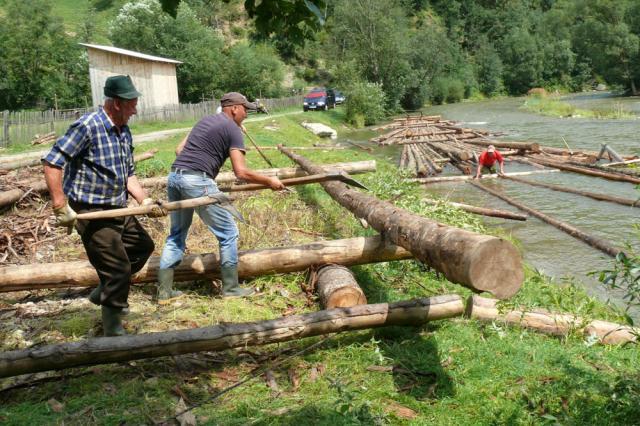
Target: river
{"points": [[546, 248]]}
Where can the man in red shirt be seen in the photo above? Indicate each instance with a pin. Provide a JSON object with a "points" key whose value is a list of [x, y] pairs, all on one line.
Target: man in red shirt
{"points": [[488, 160]]}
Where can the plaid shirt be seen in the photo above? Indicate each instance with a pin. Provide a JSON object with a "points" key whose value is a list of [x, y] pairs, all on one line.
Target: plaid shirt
{"points": [[96, 158]]}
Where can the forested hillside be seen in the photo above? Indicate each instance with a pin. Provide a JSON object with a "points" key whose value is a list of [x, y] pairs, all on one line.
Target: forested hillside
{"points": [[403, 53]]}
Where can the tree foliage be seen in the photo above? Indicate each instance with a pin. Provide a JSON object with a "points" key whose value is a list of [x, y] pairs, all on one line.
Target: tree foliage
{"points": [[39, 64]]}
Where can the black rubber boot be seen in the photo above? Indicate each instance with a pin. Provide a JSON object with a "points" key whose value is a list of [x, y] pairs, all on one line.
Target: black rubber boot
{"points": [[166, 293], [94, 296], [112, 321], [230, 287]]}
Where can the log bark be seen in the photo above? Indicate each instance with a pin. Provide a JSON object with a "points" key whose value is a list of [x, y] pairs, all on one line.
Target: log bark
{"points": [[252, 263], [221, 337], [504, 214], [594, 195], [451, 151], [356, 167], [558, 324], [464, 178], [464, 257], [594, 242], [586, 171], [337, 287], [527, 146], [145, 155]]}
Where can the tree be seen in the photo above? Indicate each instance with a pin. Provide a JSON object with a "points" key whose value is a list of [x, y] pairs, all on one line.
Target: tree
{"points": [[150, 30], [374, 36], [39, 64], [523, 61], [256, 71]]}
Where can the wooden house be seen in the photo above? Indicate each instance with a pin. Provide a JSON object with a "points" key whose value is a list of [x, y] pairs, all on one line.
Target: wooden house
{"points": [[153, 76]]}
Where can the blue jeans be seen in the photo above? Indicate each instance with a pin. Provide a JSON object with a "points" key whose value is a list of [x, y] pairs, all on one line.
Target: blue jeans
{"points": [[219, 221]]}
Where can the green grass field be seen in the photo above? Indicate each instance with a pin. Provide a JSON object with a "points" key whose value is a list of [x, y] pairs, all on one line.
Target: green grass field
{"points": [[450, 372]]}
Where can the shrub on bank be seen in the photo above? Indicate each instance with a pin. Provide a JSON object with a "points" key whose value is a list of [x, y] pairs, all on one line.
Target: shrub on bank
{"points": [[365, 104]]}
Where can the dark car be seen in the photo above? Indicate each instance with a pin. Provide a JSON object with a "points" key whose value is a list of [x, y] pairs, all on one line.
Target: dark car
{"points": [[319, 98], [339, 97]]}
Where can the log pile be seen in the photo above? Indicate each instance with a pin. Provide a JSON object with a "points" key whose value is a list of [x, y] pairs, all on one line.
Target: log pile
{"points": [[48, 138]]}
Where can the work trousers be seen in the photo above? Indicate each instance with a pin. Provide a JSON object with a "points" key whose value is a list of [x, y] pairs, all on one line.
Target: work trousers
{"points": [[117, 248]]}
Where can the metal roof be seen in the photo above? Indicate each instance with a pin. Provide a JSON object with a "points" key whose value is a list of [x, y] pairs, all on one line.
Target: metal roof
{"points": [[130, 53]]}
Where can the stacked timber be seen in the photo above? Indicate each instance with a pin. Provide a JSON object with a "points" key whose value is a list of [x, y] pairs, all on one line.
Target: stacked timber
{"points": [[48, 138]]}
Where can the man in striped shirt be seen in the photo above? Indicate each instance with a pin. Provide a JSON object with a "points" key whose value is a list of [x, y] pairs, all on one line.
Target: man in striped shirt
{"points": [[91, 168]]}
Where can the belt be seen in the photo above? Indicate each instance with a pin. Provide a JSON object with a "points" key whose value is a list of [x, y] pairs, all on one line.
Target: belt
{"points": [[190, 172]]}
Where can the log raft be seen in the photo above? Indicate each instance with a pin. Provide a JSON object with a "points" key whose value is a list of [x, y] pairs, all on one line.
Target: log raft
{"points": [[464, 257], [105, 350], [252, 263]]}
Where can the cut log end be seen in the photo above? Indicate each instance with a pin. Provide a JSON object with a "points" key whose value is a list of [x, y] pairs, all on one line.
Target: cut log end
{"points": [[496, 267]]}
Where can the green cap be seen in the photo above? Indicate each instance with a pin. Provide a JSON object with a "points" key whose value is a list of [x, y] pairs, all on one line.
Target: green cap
{"points": [[120, 86]]}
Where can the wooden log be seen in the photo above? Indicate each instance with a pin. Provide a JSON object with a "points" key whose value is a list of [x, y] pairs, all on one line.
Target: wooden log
{"points": [[594, 195], [440, 179], [356, 167], [451, 151], [586, 171], [525, 146], [27, 162], [103, 350], [627, 172], [464, 257], [622, 163], [504, 214], [558, 324], [252, 263], [594, 242], [304, 148], [337, 287]]}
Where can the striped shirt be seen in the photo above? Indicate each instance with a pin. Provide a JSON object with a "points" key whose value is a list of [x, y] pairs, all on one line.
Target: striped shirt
{"points": [[97, 160]]}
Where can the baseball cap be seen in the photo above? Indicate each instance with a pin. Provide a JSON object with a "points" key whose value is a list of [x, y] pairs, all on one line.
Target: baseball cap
{"points": [[235, 98], [120, 86]]}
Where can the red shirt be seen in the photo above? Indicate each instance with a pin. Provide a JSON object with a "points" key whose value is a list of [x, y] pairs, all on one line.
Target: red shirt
{"points": [[489, 160]]}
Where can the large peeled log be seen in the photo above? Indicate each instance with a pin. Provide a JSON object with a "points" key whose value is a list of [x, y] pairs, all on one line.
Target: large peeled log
{"points": [[225, 336], [479, 262], [252, 263], [337, 287]]}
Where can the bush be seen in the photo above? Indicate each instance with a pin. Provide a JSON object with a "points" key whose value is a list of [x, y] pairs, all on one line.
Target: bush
{"points": [[364, 104], [447, 90]]}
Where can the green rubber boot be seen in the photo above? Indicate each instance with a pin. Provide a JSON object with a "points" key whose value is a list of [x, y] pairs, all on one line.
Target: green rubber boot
{"points": [[166, 293], [112, 321], [230, 287]]}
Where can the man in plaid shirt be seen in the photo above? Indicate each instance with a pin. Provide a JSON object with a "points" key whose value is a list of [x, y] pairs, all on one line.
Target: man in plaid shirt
{"points": [[91, 168]]}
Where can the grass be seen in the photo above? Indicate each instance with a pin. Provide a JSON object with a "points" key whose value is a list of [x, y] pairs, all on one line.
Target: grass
{"points": [[552, 106], [449, 372]]}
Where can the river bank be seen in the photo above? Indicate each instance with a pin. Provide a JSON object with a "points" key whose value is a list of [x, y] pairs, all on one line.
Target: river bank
{"points": [[449, 372]]}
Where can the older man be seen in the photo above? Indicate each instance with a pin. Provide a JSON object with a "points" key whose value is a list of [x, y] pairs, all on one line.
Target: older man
{"points": [[91, 168], [487, 161], [199, 159]]}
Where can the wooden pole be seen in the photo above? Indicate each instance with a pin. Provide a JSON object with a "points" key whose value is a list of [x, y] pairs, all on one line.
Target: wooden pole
{"points": [[622, 163], [356, 167], [252, 263], [586, 171], [105, 350], [264, 157], [440, 179], [594, 195], [337, 287], [558, 324], [462, 256], [504, 214], [527, 146], [594, 242]]}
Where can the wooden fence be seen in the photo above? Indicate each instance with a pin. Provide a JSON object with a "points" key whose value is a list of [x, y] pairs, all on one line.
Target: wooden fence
{"points": [[23, 126]]}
